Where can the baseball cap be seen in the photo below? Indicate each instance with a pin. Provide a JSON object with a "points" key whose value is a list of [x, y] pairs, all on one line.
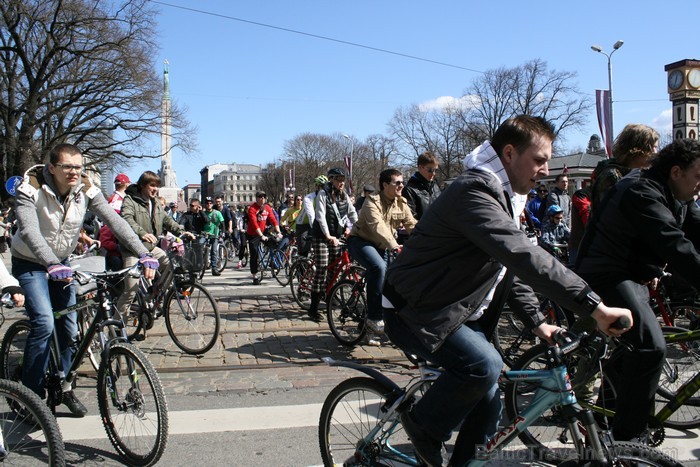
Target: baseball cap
{"points": [[260, 193], [369, 188], [122, 179], [208, 199]]}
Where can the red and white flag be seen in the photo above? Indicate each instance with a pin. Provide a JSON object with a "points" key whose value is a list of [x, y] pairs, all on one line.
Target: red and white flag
{"points": [[602, 104]]}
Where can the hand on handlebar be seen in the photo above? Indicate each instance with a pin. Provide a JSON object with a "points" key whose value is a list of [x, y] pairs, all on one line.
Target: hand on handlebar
{"points": [[150, 238], [333, 241], [612, 321], [189, 235], [150, 264], [60, 272], [546, 331]]}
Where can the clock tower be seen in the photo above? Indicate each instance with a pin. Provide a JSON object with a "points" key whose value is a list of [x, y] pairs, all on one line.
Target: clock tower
{"points": [[684, 93]]}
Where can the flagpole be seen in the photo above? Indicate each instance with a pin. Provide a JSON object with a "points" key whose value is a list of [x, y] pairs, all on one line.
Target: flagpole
{"points": [[599, 49]]}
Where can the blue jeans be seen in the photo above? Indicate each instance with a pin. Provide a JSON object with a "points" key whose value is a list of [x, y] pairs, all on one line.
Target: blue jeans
{"points": [[214, 252], [365, 253], [466, 392], [42, 297]]}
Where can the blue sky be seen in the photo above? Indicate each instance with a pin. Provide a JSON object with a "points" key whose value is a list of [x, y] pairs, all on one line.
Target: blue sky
{"points": [[250, 88]]}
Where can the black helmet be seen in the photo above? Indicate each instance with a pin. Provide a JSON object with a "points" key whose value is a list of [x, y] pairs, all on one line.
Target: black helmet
{"points": [[336, 172]]}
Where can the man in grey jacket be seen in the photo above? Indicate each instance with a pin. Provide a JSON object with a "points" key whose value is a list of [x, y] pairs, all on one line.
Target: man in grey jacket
{"points": [[435, 290], [50, 205]]}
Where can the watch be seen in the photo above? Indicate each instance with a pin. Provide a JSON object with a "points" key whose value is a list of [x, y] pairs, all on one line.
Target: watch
{"points": [[694, 78], [675, 79]]}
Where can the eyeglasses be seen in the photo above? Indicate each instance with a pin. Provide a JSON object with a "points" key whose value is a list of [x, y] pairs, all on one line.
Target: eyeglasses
{"points": [[541, 191], [398, 183], [297, 199], [69, 168]]}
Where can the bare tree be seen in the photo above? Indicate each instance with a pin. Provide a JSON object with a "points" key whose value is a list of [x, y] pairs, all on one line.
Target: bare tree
{"points": [[80, 71]]}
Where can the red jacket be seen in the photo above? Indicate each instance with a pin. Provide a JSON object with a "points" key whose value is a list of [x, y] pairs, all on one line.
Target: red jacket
{"points": [[109, 242], [258, 217]]}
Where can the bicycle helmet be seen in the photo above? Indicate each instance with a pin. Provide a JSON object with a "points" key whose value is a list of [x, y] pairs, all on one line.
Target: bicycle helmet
{"points": [[553, 209], [321, 180], [336, 172]]}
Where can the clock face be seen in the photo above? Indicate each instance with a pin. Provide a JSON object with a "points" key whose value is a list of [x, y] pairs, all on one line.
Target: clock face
{"points": [[694, 78], [675, 79]]}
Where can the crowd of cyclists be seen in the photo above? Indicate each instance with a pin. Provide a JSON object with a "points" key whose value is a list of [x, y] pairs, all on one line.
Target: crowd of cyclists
{"points": [[451, 247]]}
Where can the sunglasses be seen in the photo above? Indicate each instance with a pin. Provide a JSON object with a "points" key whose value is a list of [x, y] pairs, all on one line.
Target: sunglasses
{"points": [[398, 183]]}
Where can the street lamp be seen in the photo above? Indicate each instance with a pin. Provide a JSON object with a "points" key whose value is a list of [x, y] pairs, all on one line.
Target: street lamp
{"points": [[599, 49], [352, 148]]}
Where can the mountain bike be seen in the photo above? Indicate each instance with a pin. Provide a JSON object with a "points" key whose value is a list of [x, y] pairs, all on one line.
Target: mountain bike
{"points": [[301, 275], [677, 406], [191, 313], [129, 394], [271, 258], [205, 245], [360, 423], [29, 433]]}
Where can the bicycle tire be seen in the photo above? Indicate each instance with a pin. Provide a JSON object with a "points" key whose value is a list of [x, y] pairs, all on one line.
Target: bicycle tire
{"points": [[282, 274], [350, 411], [626, 453], [31, 435], [685, 313], [682, 364], [132, 405], [192, 318], [347, 311], [223, 257], [301, 276], [85, 317], [12, 350]]}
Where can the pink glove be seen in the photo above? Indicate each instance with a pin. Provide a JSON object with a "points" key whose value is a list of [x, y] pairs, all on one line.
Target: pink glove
{"points": [[148, 261], [59, 272]]}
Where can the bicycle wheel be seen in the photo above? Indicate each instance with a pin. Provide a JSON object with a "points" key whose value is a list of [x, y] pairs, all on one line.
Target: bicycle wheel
{"points": [[192, 318], [626, 453], [685, 313], [301, 278], [282, 273], [351, 411], [223, 257], [510, 337], [85, 317], [132, 405], [12, 350], [347, 310], [30, 434], [682, 364]]}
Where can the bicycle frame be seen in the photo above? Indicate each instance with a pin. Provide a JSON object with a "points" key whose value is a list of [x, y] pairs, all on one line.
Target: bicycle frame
{"points": [[689, 388]]}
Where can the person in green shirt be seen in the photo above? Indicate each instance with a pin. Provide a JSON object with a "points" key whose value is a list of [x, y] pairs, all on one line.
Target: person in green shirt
{"points": [[215, 221]]}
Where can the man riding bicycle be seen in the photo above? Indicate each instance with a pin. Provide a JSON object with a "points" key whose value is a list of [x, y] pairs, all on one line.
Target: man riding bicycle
{"points": [[435, 288]]}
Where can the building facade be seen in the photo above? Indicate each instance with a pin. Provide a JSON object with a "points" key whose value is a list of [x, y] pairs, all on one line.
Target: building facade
{"points": [[236, 183]]}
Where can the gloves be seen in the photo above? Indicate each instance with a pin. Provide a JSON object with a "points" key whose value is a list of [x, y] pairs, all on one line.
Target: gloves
{"points": [[148, 261], [59, 272]]}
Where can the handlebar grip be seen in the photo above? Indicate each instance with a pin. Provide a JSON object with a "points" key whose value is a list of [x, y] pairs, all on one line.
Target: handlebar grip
{"points": [[622, 323]]}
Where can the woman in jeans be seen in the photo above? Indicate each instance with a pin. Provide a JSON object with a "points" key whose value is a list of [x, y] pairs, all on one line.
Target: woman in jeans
{"points": [[382, 213]]}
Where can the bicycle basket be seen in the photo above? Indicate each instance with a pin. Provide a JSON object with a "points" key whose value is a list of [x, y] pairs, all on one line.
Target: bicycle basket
{"points": [[191, 261]]}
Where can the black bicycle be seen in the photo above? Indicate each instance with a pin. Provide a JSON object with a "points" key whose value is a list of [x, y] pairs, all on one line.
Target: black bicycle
{"points": [[129, 394]]}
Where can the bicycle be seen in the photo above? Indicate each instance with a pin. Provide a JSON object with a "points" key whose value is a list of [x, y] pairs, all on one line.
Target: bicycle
{"points": [[191, 313], [206, 255], [676, 408], [130, 397], [271, 258], [360, 424], [301, 275], [28, 431]]}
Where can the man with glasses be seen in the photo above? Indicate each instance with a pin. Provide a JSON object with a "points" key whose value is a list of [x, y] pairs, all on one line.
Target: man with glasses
{"points": [[422, 189], [537, 206], [50, 206], [259, 214]]}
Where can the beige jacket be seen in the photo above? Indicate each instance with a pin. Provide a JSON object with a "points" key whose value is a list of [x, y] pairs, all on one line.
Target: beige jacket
{"points": [[380, 217]]}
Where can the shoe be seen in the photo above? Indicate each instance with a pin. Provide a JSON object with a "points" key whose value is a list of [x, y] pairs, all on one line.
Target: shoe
{"points": [[256, 281], [239, 265], [428, 449], [376, 326], [215, 272], [373, 340], [315, 316], [74, 405]]}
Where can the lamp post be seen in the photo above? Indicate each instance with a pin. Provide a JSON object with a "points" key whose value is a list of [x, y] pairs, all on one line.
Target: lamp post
{"points": [[599, 49], [352, 148]]}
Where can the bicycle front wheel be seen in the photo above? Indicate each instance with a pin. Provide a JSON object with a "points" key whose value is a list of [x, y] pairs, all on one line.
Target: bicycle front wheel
{"points": [[132, 405], [301, 279], [223, 257], [282, 264], [192, 318], [352, 410], [30, 434], [347, 310], [626, 453], [12, 350]]}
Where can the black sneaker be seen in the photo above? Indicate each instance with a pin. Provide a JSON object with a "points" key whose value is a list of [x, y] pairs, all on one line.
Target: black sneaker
{"points": [[256, 281], [315, 316], [74, 405], [428, 449], [215, 272]]}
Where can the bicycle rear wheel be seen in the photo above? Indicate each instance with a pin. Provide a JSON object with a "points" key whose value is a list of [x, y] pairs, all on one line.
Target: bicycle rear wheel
{"points": [[682, 364], [223, 257], [132, 405], [192, 318], [12, 350], [347, 310], [301, 278], [30, 434], [351, 411]]}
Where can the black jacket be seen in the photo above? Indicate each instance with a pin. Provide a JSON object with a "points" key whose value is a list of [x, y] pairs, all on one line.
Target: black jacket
{"points": [[420, 194], [194, 222], [637, 229], [455, 253]]}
